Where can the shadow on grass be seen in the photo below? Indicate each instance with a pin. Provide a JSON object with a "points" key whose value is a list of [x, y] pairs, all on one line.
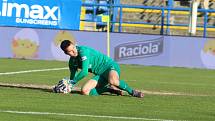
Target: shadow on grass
{"points": [[46, 88]]}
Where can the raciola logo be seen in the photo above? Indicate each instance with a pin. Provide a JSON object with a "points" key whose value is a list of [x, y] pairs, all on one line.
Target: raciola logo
{"points": [[139, 49], [34, 14]]}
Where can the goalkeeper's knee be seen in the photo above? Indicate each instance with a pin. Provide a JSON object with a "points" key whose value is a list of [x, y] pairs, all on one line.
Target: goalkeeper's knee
{"points": [[85, 91]]}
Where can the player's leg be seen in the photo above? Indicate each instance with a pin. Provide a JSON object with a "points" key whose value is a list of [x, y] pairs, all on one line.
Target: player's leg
{"points": [[89, 88], [110, 89], [103, 86], [114, 79], [96, 86], [121, 84], [115, 90]]}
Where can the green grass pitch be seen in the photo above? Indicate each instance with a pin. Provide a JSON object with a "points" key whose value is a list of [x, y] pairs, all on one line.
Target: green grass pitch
{"points": [[171, 93]]}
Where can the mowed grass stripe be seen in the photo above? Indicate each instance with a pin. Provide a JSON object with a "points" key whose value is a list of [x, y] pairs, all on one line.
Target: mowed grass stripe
{"points": [[84, 115], [154, 79], [48, 87]]}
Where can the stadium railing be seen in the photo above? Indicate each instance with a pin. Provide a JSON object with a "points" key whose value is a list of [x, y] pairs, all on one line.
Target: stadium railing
{"points": [[117, 10]]}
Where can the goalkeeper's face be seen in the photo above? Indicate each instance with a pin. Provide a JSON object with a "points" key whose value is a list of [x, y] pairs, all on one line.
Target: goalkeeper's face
{"points": [[71, 50]]}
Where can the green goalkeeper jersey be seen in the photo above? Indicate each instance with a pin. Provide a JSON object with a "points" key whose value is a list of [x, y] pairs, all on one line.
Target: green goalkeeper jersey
{"points": [[88, 60]]}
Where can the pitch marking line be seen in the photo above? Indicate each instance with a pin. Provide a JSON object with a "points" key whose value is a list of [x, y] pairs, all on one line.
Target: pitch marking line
{"points": [[29, 71], [173, 93], [83, 115]]}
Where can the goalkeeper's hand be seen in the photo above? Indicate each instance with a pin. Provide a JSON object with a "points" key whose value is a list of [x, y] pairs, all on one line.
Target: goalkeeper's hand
{"points": [[64, 86]]}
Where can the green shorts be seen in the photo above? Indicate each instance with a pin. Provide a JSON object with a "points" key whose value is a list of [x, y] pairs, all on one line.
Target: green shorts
{"points": [[102, 79]]}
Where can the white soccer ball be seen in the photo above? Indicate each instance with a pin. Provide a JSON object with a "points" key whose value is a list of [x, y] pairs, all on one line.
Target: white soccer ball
{"points": [[68, 86], [63, 86]]}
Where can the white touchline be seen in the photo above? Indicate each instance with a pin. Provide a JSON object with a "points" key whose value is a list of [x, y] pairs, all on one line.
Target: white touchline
{"points": [[29, 71], [83, 115]]}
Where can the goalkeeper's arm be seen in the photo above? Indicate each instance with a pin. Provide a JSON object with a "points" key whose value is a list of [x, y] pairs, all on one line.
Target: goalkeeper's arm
{"points": [[85, 60], [83, 73], [73, 72]]}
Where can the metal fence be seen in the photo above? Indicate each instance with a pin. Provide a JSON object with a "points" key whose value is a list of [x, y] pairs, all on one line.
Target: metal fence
{"points": [[115, 11]]}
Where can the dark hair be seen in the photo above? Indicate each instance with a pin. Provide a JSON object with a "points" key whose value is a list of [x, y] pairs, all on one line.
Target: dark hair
{"points": [[64, 44]]}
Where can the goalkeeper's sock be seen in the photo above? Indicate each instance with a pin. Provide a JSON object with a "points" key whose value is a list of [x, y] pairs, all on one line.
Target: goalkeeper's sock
{"points": [[109, 89], [93, 92], [124, 86], [102, 89]]}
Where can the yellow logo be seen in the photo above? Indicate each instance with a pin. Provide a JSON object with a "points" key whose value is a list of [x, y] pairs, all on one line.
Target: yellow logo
{"points": [[63, 35], [208, 54], [25, 45]]}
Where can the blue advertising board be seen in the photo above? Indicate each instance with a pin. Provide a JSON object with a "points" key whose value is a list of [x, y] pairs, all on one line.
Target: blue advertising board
{"points": [[56, 14]]}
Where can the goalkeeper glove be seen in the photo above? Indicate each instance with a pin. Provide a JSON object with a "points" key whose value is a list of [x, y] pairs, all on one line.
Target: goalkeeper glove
{"points": [[72, 82]]}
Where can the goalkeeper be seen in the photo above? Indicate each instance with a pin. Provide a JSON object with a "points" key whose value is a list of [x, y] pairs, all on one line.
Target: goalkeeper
{"points": [[106, 71]]}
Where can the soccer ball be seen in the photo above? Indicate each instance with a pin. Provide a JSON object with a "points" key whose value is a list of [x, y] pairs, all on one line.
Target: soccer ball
{"points": [[63, 86]]}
